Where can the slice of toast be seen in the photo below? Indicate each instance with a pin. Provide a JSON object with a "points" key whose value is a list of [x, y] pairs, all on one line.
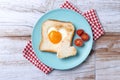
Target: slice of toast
{"points": [[66, 50], [46, 45]]}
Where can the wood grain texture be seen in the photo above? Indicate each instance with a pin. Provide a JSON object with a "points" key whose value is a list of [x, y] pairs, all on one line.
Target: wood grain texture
{"points": [[107, 55], [13, 65], [17, 19], [108, 74], [23, 14], [107, 58]]}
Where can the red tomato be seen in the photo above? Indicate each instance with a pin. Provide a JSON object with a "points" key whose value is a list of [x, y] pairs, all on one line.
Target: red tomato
{"points": [[85, 37], [78, 42], [80, 32]]}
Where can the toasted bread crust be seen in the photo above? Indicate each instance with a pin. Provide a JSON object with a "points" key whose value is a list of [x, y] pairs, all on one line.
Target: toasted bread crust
{"points": [[58, 24]]}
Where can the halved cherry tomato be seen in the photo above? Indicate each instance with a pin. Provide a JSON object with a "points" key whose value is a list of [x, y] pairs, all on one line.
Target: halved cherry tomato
{"points": [[78, 42], [85, 37], [80, 32]]}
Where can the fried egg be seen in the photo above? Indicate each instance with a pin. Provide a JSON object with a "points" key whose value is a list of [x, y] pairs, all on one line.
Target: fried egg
{"points": [[56, 35]]}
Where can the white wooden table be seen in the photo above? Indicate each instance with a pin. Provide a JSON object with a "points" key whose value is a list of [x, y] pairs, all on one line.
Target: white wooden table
{"points": [[17, 18]]}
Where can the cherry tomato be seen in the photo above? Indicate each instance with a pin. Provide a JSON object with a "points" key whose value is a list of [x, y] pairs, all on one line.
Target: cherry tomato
{"points": [[79, 32], [78, 42], [85, 37]]}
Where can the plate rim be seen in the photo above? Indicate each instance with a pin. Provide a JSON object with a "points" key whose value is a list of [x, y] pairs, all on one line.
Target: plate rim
{"points": [[36, 51]]}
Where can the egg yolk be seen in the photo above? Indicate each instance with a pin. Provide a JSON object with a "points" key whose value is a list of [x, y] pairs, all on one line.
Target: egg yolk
{"points": [[55, 37]]}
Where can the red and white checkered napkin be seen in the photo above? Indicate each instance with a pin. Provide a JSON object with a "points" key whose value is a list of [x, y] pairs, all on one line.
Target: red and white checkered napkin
{"points": [[92, 19], [29, 54]]}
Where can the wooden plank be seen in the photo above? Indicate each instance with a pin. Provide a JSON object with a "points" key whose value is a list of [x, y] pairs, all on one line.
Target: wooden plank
{"points": [[107, 58], [24, 14], [18, 17], [85, 76], [107, 50], [14, 25], [31, 73], [112, 34], [26, 5], [108, 74], [108, 11], [15, 66]]}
